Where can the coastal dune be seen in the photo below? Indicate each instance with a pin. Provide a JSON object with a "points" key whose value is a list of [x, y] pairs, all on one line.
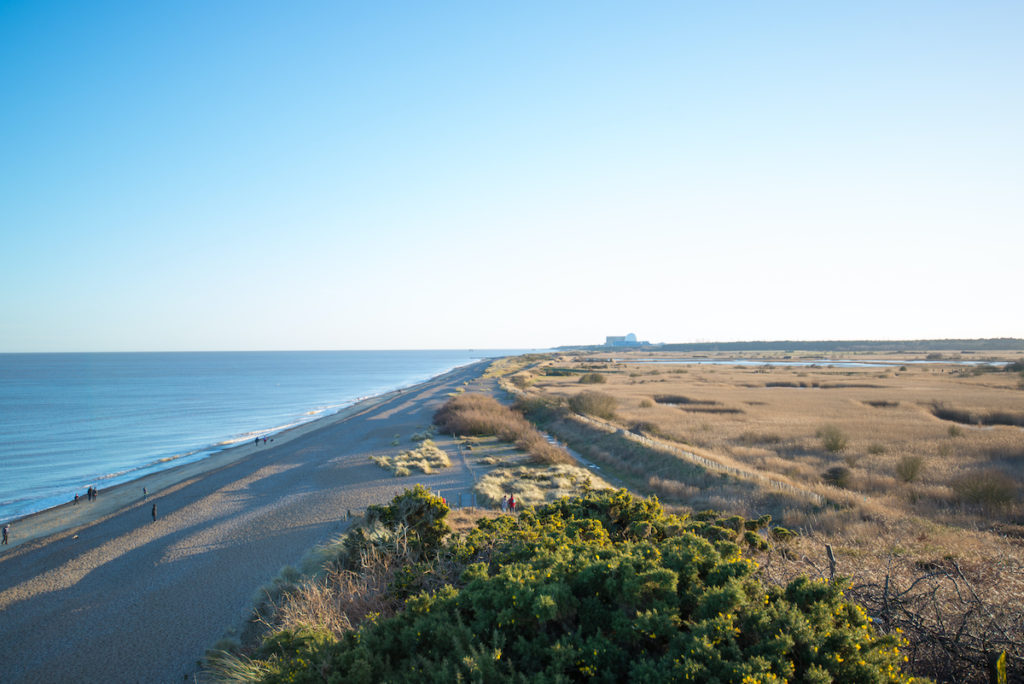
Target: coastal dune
{"points": [[102, 592]]}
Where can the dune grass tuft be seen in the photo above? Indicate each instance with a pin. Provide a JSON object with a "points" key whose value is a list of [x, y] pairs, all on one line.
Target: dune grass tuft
{"points": [[427, 457]]}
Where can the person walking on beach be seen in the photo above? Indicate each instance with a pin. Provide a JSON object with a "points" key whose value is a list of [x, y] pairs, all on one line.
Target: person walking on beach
{"points": [[76, 498], [145, 494], [7, 528], [504, 503], [154, 512]]}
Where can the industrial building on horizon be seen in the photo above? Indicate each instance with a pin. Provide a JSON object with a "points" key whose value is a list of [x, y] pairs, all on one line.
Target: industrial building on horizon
{"points": [[623, 341]]}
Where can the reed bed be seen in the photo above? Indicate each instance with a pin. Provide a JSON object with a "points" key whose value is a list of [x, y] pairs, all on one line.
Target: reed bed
{"points": [[920, 468]]}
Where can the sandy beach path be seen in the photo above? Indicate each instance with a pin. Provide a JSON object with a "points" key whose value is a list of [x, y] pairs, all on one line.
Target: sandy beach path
{"points": [[124, 598]]}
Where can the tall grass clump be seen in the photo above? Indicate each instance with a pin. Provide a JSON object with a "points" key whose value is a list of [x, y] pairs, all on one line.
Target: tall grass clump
{"points": [[594, 404], [427, 457], [593, 379]]}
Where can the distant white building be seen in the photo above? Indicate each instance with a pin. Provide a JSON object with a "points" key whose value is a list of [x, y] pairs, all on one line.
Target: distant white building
{"points": [[623, 341]]}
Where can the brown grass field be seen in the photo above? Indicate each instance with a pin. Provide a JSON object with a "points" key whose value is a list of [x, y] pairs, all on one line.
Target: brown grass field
{"points": [[911, 473]]}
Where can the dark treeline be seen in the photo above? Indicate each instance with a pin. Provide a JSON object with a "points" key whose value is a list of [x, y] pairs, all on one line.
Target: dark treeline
{"points": [[950, 345]]}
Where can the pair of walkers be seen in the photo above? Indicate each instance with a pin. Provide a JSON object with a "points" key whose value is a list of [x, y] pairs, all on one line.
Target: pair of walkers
{"points": [[508, 504]]}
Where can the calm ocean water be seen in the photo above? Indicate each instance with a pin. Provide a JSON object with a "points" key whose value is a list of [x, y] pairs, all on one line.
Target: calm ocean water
{"points": [[70, 421]]}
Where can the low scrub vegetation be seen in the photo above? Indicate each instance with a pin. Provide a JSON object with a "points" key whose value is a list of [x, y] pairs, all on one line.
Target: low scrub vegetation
{"points": [[680, 400], [986, 488], [593, 379], [908, 468], [604, 587], [480, 414], [837, 476], [534, 486], [595, 404], [832, 438], [427, 458]]}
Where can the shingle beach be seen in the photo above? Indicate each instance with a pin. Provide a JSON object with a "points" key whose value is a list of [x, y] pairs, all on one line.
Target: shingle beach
{"points": [[102, 592]]}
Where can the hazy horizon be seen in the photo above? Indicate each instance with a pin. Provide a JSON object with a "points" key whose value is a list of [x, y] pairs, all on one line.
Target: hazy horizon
{"points": [[254, 176]]}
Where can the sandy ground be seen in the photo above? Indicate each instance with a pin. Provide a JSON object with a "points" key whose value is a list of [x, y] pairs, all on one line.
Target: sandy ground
{"points": [[100, 592]]}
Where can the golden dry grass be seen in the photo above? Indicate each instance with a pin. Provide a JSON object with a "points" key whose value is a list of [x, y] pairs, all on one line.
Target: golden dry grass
{"points": [[427, 457], [770, 419], [533, 486]]}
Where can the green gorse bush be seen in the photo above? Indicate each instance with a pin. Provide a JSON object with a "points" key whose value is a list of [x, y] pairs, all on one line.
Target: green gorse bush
{"points": [[605, 587]]}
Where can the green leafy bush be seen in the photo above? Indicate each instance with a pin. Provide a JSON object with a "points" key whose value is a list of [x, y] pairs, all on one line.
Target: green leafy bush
{"points": [[420, 514], [605, 587]]}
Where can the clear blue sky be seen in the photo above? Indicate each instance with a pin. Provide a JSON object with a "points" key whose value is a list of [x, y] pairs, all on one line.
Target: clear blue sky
{"points": [[340, 175]]}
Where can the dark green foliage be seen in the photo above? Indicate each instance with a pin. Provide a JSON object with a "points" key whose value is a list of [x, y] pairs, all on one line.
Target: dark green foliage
{"points": [[418, 513], [605, 587]]}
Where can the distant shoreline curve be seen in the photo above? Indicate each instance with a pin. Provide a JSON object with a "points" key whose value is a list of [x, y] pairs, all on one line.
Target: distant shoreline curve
{"points": [[69, 515]]}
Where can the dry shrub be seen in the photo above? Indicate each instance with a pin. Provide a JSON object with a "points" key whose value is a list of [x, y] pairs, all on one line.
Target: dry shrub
{"points": [[345, 583], [837, 476], [755, 455], [672, 489], [594, 404], [680, 400], [340, 600], [957, 614], [986, 488], [480, 414], [832, 438], [909, 467], [872, 483], [754, 438]]}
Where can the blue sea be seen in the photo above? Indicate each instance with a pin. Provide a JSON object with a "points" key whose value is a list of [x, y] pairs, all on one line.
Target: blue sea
{"points": [[71, 421]]}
